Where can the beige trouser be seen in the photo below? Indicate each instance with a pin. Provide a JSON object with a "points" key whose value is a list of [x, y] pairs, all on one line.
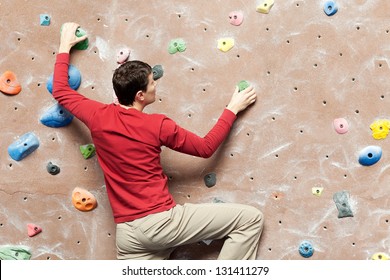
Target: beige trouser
{"points": [[156, 236]]}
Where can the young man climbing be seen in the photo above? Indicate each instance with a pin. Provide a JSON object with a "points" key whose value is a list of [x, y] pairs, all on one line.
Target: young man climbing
{"points": [[150, 225]]}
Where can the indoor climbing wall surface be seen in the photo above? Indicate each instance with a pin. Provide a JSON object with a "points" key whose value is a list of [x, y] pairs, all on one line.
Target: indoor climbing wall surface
{"points": [[311, 153]]}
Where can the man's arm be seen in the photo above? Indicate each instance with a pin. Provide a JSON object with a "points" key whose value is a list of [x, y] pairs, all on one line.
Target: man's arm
{"points": [[182, 140], [80, 106]]}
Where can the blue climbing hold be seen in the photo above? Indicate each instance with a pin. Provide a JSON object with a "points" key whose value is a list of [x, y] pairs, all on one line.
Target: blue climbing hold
{"points": [[56, 116], [44, 19], [330, 8], [306, 249], [74, 79], [22, 147], [370, 155]]}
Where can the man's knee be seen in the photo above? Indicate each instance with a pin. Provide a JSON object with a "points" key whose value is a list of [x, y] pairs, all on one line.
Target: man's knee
{"points": [[258, 218]]}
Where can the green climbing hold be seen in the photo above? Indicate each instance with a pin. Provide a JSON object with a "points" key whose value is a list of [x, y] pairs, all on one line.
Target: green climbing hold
{"points": [[14, 253], [243, 85], [83, 45], [87, 150], [177, 45]]}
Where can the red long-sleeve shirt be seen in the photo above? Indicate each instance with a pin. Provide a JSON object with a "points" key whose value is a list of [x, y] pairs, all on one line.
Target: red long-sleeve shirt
{"points": [[128, 146]]}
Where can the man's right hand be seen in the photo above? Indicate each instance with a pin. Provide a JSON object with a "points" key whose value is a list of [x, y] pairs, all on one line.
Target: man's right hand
{"points": [[68, 37], [242, 99]]}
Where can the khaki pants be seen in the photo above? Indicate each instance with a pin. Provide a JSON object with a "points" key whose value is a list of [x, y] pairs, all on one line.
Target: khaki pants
{"points": [[156, 236]]}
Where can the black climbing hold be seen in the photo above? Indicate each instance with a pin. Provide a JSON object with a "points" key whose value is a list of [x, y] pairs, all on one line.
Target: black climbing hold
{"points": [[52, 168], [210, 180]]}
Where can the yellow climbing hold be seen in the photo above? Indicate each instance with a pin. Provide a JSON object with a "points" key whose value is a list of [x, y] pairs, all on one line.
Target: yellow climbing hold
{"points": [[380, 257], [317, 190], [225, 44], [265, 6], [380, 128]]}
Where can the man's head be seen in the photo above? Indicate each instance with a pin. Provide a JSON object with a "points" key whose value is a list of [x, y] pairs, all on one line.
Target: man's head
{"points": [[133, 78]]}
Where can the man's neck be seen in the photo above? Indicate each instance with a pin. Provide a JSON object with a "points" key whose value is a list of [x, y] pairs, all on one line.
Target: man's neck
{"points": [[136, 106]]}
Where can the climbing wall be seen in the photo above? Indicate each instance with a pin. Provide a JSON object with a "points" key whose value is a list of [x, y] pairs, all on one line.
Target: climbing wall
{"points": [[311, 153]]}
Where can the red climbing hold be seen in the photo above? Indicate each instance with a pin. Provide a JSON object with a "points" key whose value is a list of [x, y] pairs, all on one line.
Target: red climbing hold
{"points": [[33, 229], [9, 84]]}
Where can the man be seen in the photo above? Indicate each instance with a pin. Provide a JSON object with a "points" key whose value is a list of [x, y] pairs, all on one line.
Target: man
{"points": [[150, 225]]}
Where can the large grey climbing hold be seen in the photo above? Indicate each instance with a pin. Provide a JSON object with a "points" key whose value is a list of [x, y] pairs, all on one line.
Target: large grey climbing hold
{"points": [[210, 180], [342, 203], [158, 72]]}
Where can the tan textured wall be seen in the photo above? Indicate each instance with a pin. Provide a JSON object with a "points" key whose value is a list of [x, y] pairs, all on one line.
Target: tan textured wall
{"points": [[308, 68]]}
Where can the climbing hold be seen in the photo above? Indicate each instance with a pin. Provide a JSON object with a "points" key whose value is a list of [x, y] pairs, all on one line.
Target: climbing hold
{"points": [[56, 116], [225, 44], [380, 256], [243, 85], [210, 180], [44, 19], [370, 155], [83, 45], [317, 191], [9, 84], [380, 128], [22, 147], [330, 8], [83, 200], [52, 168], [265, 6], [342, 203], [306, 249], [177, 45], [236, 18], [157, 71], [87, 150], [14, 253], [123, 56], [217, 200], [74, 79], [33, 230], [341, 125]]}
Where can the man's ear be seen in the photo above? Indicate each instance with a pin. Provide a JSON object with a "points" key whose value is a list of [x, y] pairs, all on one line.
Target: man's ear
{"points": [[139, 96]]}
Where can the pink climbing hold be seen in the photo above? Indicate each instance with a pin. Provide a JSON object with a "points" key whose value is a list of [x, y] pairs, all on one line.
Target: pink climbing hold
{"points": [[236, 18], [341, 125], [33, 230], [123, 56]]}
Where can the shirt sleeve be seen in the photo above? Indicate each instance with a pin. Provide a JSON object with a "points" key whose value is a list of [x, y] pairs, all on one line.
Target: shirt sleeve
{"points": [[81, 107], [179, 139]]}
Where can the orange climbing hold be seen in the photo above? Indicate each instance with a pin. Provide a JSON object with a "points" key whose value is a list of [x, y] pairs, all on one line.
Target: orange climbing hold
{"points": [[9, 84], [83, 200]]}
